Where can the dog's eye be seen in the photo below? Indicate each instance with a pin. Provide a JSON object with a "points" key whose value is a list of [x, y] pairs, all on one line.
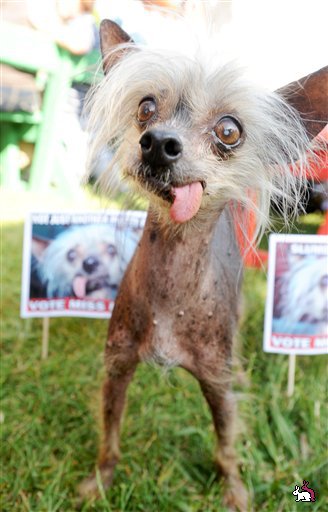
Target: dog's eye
{"points": [[71, 255], [111, 249], [227, 132], [146, 110]]}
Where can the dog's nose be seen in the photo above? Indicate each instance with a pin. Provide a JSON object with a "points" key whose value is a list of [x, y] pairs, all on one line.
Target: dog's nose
{"points": [[90, 264], [160, 148]]}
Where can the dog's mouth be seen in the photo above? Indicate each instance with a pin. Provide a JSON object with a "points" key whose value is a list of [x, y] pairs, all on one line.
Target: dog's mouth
{"points": [[184, 198], [83, 287], [186, 201]]}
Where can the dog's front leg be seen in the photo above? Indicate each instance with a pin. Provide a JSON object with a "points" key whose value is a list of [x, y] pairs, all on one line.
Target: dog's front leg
{"points": [[215, 383], [222, 405], [121, 361]]}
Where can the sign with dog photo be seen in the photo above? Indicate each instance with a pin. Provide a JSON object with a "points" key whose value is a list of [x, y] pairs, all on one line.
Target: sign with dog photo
{"points": [[73, 263], [296, 320]]}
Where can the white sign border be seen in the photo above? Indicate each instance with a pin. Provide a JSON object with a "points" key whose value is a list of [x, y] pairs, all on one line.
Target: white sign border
{"points": [[274, 239]]}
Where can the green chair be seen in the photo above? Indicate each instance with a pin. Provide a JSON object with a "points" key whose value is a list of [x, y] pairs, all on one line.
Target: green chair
{"points": [[31, 51]]}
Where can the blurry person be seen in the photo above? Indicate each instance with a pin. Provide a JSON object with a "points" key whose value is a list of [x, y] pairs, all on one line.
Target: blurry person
{"points": [[18, 88], [72, 26], [74, 29], [164, 5]]}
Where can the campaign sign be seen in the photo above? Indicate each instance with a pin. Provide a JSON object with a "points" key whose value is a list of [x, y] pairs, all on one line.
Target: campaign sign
{"points": [[73, 263], [296, 319]]}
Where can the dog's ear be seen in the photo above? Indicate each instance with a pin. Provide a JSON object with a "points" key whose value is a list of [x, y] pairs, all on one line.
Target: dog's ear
{"points": [[38, 246], [309, 96], [112, 35]]}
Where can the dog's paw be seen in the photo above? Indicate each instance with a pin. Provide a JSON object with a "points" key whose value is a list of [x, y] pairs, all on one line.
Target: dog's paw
{"points": [[95, 485], [235, 496]]}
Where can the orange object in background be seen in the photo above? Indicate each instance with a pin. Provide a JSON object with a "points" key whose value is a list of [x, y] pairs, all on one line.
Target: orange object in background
{"points": [[318, 172], [245, 231]]}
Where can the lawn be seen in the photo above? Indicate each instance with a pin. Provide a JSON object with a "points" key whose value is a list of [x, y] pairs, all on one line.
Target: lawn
{"points": [[50, 416]]}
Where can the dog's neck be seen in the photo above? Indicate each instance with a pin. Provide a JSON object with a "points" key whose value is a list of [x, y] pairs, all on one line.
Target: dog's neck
{"points": [[191, 234], [167, 258], [194, 250], [184, 272]]}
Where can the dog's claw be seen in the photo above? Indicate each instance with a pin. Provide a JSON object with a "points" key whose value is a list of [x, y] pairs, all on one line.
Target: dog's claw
{"points": [[235, 496], [89, 488]]}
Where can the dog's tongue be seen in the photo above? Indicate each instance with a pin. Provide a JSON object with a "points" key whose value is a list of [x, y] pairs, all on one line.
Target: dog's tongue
{"points": [[186, 202], [79, 286]]}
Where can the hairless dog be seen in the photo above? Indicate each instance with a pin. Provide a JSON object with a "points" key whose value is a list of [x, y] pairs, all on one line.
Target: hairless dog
{"points": [[196, 140]]}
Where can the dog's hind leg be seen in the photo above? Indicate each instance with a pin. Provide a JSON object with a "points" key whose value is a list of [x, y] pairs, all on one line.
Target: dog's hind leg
{"points": [[216, 387], [121, 361]]}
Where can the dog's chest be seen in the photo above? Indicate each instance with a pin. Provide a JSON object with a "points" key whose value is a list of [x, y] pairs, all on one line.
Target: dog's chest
{"points": [[161, 346], [186, 294]]}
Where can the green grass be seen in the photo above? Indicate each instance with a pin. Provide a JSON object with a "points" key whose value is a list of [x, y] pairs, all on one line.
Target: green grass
{"points": [[50, 416]]}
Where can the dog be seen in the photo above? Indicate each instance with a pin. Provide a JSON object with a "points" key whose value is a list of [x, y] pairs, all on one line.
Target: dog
{"points": [[303, 305], [195, 140], [84, 262]]}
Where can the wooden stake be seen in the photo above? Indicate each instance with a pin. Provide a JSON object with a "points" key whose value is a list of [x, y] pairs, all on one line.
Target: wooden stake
{"points": [[45, 337], [291, 374]]}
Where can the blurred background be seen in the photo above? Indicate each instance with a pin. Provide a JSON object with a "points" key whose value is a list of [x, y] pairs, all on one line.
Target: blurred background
{"points": [[50, 57]]}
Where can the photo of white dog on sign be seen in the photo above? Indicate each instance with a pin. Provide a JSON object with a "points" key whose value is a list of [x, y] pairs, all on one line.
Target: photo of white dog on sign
{"points": [[301, 307], [82, 261]]}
